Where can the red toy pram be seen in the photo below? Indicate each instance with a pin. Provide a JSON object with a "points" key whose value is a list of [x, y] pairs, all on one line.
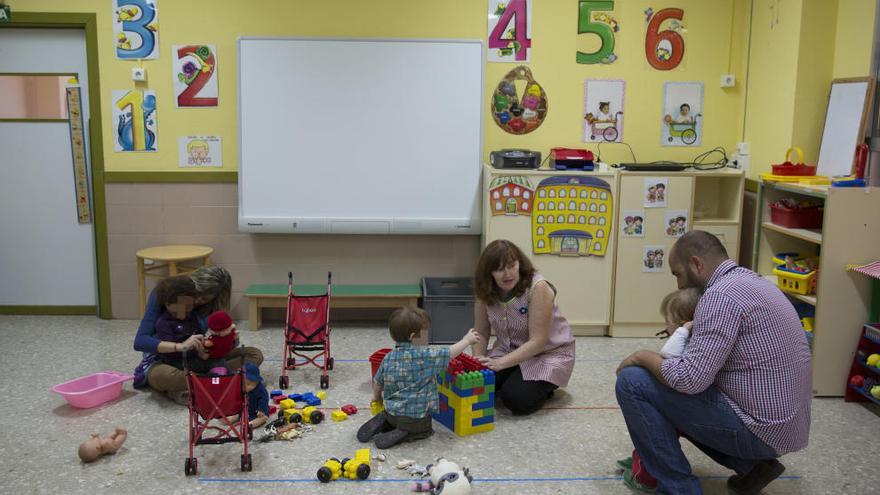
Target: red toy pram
{"points": [[306, 329], [217, 398]]}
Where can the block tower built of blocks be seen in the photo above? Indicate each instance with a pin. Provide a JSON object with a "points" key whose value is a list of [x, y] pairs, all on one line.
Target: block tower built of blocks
{"points": [[467, 397]]}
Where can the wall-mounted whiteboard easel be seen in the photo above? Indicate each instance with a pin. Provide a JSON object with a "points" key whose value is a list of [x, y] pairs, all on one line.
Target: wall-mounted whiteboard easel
{"points": [[849, 103], [360, 136]]}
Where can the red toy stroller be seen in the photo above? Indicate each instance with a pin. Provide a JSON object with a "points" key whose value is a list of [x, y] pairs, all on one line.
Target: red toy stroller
{"points": [[217, 397], [307, 329]]}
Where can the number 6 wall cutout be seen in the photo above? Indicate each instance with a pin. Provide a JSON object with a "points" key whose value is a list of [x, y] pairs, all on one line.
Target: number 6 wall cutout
{"points": [[136, 29], [513, 44], [195, 75], [664, 49]]}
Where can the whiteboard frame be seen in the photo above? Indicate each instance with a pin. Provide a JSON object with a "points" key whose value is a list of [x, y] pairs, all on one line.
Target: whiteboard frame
{"points": [[866, 109], [325, 225]]}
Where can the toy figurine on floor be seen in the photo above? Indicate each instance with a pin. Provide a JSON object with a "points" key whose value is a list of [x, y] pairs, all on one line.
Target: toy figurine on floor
{"points": [[221, 336], [96, 446], [447, 478]]}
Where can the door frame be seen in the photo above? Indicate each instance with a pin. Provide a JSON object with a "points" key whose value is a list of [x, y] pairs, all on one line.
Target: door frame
{"points": [[88, 23]]}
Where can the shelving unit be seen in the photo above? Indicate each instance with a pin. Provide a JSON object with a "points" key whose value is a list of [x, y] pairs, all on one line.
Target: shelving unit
{"points": [[850, 234]]}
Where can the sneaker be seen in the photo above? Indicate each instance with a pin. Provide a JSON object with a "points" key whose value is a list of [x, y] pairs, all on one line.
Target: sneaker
{"points": [[377, 424], [630, 481], [179, 396], [390, 438], [755, 480], [624, 464]]}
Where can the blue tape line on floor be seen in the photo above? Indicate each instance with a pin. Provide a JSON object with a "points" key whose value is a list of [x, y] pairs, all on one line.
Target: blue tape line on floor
{"points": [[273, 359], [476, 480]]}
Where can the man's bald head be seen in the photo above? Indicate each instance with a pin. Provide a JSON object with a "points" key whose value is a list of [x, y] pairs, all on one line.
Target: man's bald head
{"points": [[694, 258]]}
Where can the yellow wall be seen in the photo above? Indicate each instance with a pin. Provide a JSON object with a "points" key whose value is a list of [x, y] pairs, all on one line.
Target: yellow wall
{"points": [[709, 53], [855, 32]]}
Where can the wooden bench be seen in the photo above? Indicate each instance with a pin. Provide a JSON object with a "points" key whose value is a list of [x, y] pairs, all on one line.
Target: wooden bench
{"points": [[343, 296]]}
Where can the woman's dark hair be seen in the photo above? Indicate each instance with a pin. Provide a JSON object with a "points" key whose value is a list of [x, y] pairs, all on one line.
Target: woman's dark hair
{"points": [[169, 289], [496, 256]]}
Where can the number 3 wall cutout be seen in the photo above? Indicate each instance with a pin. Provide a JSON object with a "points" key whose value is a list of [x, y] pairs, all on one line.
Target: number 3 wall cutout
{"points": [[195, 75], [136, 29], [664, 49], [510, 28]]}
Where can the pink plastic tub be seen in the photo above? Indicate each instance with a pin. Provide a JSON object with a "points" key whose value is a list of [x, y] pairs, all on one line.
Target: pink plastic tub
{"points": [[92, 390]]}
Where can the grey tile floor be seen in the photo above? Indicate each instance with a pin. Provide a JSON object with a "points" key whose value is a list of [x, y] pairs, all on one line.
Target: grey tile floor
{"points": [[568, 448]]}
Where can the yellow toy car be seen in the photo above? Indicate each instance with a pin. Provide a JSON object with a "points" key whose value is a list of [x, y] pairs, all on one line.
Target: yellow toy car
{"points": [[357, 468]]}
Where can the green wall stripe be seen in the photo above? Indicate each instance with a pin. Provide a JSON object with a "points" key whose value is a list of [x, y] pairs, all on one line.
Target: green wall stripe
{"points": [[188, 176], [49, 310]]}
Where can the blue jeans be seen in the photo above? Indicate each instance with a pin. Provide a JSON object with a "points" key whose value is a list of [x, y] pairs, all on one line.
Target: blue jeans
{"points": [[655, 414]]}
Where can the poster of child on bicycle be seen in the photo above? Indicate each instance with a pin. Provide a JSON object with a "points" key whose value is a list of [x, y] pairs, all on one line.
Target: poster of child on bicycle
{"points": [[682, 114], [603, 110]]}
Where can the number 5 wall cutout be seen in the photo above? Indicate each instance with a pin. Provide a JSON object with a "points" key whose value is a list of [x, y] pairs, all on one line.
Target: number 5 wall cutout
{"points": [[195, 75], [510, 29], [594, 19], [134, 115], [664, 49], [136, 29]]}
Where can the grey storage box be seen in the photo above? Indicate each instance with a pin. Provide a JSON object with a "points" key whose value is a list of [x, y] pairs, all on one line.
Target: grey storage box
{"points": [[450, 304]]}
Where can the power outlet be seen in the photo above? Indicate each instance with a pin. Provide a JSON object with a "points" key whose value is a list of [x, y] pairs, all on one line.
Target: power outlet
{"points": [[138, 74], [728, 81]]}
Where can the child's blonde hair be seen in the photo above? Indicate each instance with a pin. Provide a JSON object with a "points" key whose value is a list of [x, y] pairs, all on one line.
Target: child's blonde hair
{"points": [[679, 307]]}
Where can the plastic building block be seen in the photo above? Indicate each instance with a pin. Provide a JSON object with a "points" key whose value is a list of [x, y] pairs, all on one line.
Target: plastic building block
{"points": [[275, 393], [310, 399], [293, 416], [272, 410], [277, 399], [349, 409], [322, 395], [467, 397], [376, 407], [287, 404], [338, 416], [331, 470], [295, 397], [312, 415], [357, 468]]}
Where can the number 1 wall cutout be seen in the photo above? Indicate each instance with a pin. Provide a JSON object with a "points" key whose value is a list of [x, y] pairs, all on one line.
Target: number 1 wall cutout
{"points": [[134, 115], [195, 75], [510, 30], [136, 29]]}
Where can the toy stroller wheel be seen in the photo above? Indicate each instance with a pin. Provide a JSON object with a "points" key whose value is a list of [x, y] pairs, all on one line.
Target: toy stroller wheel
{"points": [[324, 475], [689, 136], [283, 382], [593, 137], [250, 463], [363, 472], [610, 134], [329, 363], [670, 139], [186, 466], [291, 363], [325, 382]]}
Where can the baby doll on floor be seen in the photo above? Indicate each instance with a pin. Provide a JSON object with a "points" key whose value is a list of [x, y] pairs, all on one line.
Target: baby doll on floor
{"points": [[96, 446]]}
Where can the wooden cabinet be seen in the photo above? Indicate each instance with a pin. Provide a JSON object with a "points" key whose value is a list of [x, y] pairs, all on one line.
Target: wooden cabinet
{"points": [[850, 233], [713, 202]]}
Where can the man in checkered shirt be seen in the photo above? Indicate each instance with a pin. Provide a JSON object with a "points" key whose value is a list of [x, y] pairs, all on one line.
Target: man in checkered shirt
{"points": [[740, 392], [407, 381]]}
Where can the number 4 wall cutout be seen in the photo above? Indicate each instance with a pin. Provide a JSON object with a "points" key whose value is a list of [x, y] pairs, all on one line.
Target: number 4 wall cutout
{"points": [[195, 75], [510, 30]]}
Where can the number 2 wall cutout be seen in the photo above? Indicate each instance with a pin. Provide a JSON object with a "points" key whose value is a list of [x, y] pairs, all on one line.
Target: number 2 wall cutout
{"points": [[136, 29], [195, 75], [664, 49], [593, 19], [134, 115], [510, 29]]}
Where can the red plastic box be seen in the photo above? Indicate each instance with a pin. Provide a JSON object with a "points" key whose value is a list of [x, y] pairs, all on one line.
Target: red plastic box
{"points": [[797, 218], [376, 360]]}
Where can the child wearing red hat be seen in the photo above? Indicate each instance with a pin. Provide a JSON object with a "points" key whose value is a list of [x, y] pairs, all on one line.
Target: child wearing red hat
{"points": [[221, 335]]}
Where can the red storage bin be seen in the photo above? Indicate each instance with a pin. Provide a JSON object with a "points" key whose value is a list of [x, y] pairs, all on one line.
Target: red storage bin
{"points": [[796, 218], [376, 361]]}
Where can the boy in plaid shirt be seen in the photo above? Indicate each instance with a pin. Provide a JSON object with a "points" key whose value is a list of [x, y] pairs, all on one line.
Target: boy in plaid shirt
{"points": [[407, 381]]}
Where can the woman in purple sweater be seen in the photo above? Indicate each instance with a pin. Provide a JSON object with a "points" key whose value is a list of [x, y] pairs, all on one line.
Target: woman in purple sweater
{"points": [[214, 286], [533, 354]]}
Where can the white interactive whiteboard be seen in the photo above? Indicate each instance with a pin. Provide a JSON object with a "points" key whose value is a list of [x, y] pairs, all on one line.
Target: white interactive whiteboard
{"points": [[360, 136], [849, 102]]}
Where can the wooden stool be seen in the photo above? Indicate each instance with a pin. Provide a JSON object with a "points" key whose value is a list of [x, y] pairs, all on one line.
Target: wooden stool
{"points": [[172, 256]]}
